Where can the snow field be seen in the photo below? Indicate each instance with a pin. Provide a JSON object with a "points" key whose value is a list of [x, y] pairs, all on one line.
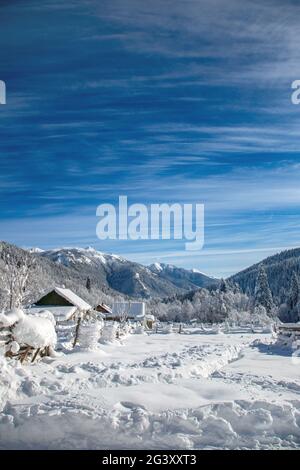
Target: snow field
{"points": [[232, 425], [223, 391]]}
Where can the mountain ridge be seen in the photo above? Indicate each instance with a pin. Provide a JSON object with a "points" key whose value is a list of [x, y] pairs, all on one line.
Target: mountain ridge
{"points": [[112, 275], [128, 277], [108, 274], [279, 267]]}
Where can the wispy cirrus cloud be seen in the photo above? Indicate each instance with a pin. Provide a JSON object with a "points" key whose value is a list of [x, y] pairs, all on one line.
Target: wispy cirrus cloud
{"points": [[162, 101]]}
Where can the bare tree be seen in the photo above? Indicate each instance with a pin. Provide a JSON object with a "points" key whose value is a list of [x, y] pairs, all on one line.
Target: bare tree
{"points": [[16, 277], [123, 311]]}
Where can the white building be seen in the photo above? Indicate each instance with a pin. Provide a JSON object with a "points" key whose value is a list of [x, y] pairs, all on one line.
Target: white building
{"points": [[127, 311]]}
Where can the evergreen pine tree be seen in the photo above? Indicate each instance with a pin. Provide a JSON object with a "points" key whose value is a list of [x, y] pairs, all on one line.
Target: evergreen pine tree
{"points": [[88, 284], [263, 295], [223, 286], [294, 295]]}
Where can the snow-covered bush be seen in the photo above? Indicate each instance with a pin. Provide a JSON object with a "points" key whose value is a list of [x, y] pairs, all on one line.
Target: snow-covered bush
{"points": [[89, 334], [218, 330], [260, 317], [139, 330], [168, 329], [109, 332], [125, 329]]}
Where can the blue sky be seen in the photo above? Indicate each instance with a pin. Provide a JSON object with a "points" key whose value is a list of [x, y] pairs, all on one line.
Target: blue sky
{"points": [[164, 101]]}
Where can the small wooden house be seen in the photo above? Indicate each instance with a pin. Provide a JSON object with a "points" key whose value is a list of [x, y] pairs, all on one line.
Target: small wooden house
{"points": [[102, 308], [62, 303]]}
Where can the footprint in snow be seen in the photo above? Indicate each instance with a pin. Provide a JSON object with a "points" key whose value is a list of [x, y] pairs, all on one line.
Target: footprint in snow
{"points": [[129, 406]]}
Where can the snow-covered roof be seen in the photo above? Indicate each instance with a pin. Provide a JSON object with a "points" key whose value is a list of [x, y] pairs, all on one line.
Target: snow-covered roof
{"points": [[74, 299], [132, 309], [60, 313], [104, 307]]}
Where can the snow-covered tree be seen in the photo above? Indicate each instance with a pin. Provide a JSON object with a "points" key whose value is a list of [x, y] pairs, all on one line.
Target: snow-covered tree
{"points": [[259, 316], [88, 284], [203, 305], [294, 294], [122, 311], [223, 286], [16, 277], [263, 295], [188, 310]]}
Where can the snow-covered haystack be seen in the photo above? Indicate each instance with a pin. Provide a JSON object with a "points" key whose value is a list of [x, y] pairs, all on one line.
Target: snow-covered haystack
{"points": [[168, 329], [212, 330], [89, 334], [28, 335], [35, 331], [47, 314], [139, 330], [109, 332], [218, 330], [125, 329], [268, 329]]}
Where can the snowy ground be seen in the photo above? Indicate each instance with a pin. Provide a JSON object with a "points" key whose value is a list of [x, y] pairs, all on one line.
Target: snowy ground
{"points": [[225, 391]]}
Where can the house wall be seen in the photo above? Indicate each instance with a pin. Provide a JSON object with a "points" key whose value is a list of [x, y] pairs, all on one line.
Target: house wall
{"points": [[54, 299]]}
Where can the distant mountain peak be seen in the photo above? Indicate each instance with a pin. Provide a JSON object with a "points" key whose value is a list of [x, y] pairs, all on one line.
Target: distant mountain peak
{"points": [[35, 250]]}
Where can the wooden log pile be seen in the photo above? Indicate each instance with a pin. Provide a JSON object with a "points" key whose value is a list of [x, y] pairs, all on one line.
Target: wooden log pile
{"points": [[28, 353]]}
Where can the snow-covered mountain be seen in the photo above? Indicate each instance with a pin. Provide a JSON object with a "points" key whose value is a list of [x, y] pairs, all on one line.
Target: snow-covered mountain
{"points": [[108, 274], [183, 278], [127, 277], [112, 275]]}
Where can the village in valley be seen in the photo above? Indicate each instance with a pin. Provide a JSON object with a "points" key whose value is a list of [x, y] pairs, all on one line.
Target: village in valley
{"points": [[208, 372], [69, 316]]}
